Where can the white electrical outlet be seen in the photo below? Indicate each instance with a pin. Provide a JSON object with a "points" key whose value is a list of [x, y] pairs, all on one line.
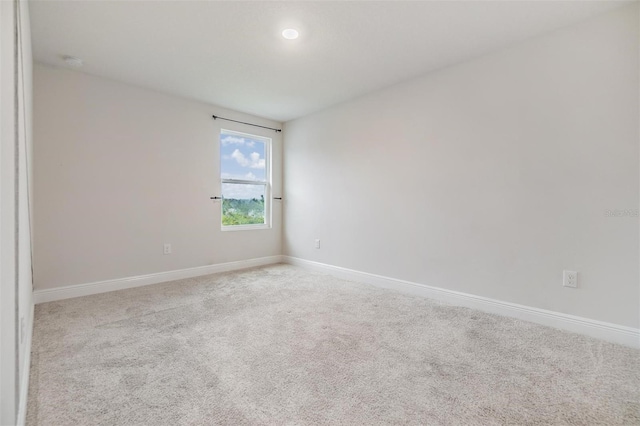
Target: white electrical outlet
{"points": [[570, 279], [317, 244], [167, 248]]}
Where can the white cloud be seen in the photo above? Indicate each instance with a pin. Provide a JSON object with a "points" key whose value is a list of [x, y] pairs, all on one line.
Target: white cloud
{"points": [[254, 161], [234, 140], [240, 158]]}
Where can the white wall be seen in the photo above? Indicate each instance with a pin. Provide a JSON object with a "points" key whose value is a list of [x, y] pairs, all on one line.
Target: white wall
{"points": [[8, 307], [489, 177], [15, 199], [120, 170]]}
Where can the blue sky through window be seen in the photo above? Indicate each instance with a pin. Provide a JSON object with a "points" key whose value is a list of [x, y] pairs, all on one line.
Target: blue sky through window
{"points": [[242, 157]]}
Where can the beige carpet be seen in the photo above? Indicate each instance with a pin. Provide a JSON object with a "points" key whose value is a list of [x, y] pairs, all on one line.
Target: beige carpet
{"points": [[282, 346]]}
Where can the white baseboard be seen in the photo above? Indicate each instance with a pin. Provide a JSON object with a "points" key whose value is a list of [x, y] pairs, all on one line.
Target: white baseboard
{"points": [[25, 372], [68, 292], [615, 333], [627, 336]]}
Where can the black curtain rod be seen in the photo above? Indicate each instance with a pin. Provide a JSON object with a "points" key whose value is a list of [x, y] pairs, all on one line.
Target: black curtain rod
{"points": [[215, 117]]}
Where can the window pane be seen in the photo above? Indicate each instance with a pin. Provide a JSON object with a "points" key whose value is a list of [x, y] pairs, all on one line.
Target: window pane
{"points": [[242, 204], [242, 157]]}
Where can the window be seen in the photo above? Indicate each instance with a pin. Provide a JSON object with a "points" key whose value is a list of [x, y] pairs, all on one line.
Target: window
{"points": [[245, 177]]}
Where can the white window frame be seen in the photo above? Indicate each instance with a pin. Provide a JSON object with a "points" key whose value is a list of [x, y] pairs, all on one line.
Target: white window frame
{"points": [[267, 183]]}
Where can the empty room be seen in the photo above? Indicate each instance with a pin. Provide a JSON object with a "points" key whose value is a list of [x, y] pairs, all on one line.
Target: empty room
{"points": [[319, 212]]}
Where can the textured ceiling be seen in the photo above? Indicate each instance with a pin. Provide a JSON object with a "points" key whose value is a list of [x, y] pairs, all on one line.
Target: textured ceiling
{"points": [[232, 54]]}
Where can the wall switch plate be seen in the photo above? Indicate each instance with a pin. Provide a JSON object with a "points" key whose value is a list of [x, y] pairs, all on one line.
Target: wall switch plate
{"points": [[570, 279], [167, 248], [317, 244]]}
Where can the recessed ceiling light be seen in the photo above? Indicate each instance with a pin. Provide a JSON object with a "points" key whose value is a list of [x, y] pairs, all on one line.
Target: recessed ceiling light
{"points": [[290, 34], [72, 61]]}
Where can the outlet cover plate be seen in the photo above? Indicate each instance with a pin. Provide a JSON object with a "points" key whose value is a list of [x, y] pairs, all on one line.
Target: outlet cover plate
{"points": [[570, 279]]}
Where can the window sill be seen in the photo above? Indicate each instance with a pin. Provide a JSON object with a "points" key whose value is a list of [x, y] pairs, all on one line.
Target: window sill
{"points": [[244, 227]]}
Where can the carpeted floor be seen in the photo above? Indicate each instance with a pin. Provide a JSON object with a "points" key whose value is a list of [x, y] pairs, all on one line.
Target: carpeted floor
{"points": [[279, 345]]}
